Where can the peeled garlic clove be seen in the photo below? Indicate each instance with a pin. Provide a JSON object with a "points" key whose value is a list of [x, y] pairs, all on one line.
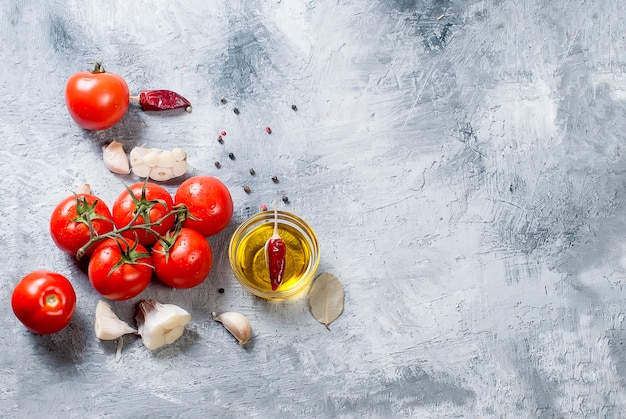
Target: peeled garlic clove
{"points": [[157, 164], [165, 159], [160, 324], [179, 154], [237, 324], [108, 326], [161, 173], [115, 158], [152, 157], [137, 154], [180, 168], [142, 170]]}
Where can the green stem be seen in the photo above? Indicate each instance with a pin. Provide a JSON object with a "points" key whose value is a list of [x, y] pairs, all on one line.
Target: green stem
{"points": [[178, 211]]}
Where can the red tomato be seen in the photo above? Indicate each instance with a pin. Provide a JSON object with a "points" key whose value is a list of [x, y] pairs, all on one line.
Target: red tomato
{"points": [[120, 270], [96, 100], [208, 200], [182, 261], [44, 302], [69, 223], [152, 205]]}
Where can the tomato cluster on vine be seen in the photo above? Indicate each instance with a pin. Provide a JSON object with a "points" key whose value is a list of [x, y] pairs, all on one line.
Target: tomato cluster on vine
{"points": [[147, 231]]}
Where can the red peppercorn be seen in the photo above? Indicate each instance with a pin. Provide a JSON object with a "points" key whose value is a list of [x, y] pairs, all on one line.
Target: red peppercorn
{"points": [[268, 130], [223, 133]]}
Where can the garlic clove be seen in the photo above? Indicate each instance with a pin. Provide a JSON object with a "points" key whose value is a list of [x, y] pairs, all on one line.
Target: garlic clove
{"points": [[166, 159], [180, 168], [179, 154], [85, 188], [152, 157], [137, 154], [160, 324], [142, 170], [237, 324], [108, 326], [157, 164], [161, 173], [115, 158]]}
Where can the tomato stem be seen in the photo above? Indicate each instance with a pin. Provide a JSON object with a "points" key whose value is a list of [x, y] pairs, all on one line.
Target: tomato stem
{"points": [[179, 211], [98, 68], [52, 300]]}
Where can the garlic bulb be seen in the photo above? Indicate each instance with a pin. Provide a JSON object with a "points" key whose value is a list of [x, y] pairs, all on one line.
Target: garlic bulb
{"points": [[115, 158], [160, 324], [237, 324], [158, 164], [108, 326]]}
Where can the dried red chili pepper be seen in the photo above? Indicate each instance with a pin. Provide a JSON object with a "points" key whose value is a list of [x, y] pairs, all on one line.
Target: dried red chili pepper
{"points": [[275, 255], [162, 100]]}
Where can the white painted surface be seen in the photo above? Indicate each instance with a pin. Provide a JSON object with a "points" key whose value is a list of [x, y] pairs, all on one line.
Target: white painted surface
{"points": [[461, 162]]}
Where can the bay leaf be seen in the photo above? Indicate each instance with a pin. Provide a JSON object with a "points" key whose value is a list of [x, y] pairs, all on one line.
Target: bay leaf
{"points": [[326, 298]]}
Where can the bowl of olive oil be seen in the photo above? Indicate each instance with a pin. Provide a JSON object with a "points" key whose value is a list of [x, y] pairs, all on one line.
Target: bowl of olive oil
{"points": [[247, 254]]}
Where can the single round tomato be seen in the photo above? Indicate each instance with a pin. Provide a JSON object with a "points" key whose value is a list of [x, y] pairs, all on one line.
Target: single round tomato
{"points": [[120, 269], [96, 100], [149, 205], [44, 302], [70, 220], [208, 201], [183, 260]]}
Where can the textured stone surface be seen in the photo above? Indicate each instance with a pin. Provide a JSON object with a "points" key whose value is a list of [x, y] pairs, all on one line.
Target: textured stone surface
{"points": [[461, 161]]}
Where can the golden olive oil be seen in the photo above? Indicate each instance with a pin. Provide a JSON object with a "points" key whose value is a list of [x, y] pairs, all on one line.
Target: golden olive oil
{"points": [[250, 256]]}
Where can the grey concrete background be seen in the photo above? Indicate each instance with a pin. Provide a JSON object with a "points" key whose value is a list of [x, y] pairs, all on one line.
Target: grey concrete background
{"points": [[461, 161]]}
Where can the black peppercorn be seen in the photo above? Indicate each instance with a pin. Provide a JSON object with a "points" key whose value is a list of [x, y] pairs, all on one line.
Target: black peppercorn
{"points": [[252, 172], [231, 156], [285, 199], [247, 189], [218, 164], [294, 107], [236, 110], [275, 179]]}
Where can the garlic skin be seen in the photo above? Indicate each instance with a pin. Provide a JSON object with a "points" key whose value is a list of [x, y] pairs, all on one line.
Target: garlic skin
{"points": [[237, 324], [160, 324], [158, 164], [115, 158], [108, 326]]}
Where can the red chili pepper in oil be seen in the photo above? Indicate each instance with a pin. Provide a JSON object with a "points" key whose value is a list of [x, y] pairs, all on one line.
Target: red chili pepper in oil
{"points": [[162, 100], [275, 255]]}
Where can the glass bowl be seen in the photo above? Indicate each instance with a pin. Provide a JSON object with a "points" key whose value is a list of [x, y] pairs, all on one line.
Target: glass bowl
{"points": [[247, 255]]}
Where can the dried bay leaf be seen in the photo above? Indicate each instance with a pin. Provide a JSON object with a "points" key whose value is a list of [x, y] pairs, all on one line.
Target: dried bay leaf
{"points": [[326, 298]]}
